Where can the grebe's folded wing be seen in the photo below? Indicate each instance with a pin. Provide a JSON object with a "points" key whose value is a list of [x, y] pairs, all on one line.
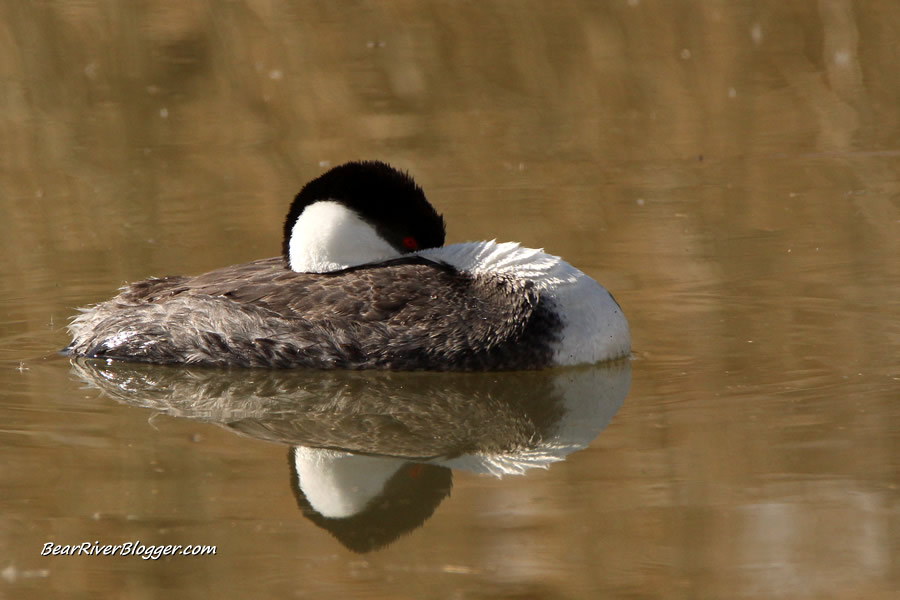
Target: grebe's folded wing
{"points": [[409, 313]]}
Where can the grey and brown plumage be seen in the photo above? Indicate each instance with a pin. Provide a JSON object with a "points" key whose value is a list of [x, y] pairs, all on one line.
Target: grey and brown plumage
{"points": [[403, 314]]}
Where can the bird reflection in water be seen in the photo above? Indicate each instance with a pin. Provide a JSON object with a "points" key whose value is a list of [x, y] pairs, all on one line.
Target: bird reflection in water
{"points": [[372, 453]]}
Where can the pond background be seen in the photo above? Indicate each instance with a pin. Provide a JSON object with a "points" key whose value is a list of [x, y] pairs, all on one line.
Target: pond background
{"points": [[729, 170]]}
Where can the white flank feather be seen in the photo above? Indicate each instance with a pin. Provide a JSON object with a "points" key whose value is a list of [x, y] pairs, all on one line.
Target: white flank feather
{"points": [[595, 328]]}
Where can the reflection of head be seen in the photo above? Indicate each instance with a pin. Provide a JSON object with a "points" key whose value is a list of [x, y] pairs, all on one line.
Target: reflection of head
{"points": [[407, 499]]}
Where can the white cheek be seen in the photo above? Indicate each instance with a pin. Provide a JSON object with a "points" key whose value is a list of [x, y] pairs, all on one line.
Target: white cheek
{"points": [[340, 484], [329, 236]]}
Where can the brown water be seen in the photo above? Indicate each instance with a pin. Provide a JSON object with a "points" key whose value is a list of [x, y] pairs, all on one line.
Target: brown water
{"points": [[728, 169]]}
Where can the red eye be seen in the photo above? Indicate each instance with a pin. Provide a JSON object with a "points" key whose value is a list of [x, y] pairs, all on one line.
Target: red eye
{"points": [[410, 243]]}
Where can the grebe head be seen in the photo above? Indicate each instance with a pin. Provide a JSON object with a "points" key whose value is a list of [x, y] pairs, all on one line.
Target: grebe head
{"points": [[358, 213]]}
